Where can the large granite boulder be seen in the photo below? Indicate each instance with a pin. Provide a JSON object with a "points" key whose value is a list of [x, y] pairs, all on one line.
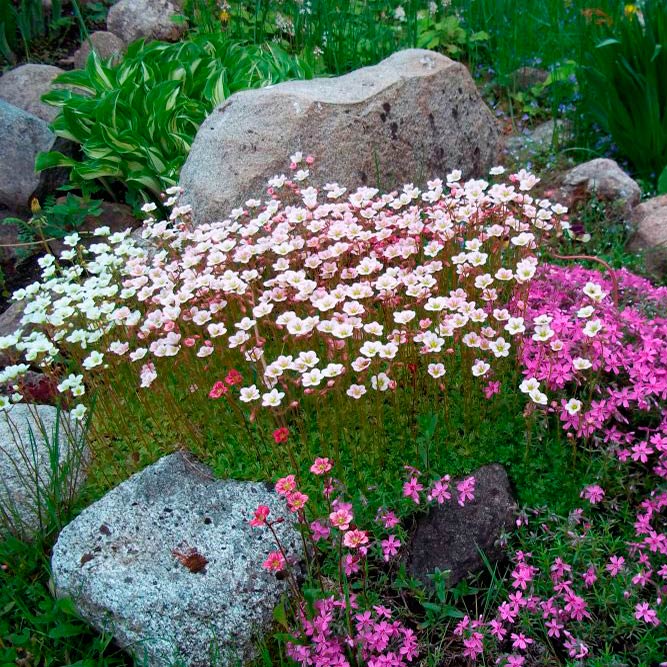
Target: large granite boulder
{"points": [[24, 86], [124, 561], [23, 137], [152, 19], [415, 116], [649, 221], [42, 458], [450, 537], [604, 179]]}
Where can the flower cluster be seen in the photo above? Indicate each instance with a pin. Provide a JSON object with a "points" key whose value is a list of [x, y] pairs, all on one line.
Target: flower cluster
{"points": [[377, 638], [342, 624], [312, 291], [598, 346]]}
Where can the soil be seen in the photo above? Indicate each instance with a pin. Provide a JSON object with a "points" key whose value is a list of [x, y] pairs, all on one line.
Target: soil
{"points": [[17, 276]]}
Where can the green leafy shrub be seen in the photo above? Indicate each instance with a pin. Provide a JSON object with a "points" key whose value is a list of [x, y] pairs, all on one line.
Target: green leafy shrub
{"points": [[135, 122], [625, 86]]}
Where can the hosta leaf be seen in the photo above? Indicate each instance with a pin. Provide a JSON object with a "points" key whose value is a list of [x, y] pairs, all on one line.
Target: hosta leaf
{"points": [[53, 159]]}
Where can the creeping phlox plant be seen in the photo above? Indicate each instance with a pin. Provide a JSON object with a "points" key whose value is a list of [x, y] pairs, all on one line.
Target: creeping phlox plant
{"points": [[341, 624], [374, 305], [592, 586]]}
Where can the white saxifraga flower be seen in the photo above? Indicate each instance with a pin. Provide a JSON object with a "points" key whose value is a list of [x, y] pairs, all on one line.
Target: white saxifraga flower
{"points": [[529, 384], [249, 394], [356, 391], [592, 328], [538, 397], [93, 360], [594, 291], [581, 364], [573, 406], [273, 398], [79, 412], [436, 370], [480, 368]]}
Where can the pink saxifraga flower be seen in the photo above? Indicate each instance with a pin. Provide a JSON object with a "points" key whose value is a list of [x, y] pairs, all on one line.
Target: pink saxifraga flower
{"points": [[275, 562], [218, 390], [321, 466], [286, 485], [353, 539], [261, 514]]}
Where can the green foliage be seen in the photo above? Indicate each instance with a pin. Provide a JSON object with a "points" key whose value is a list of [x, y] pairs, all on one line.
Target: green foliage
{"points": [[53, 221], [344, 35], [662, 182], [25, 24], [543, 34], [625, 87], [136, 121], [446, 35]]}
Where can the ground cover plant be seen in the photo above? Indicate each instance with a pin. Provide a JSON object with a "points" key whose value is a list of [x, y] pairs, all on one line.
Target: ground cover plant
{"points": [[432, 321]]}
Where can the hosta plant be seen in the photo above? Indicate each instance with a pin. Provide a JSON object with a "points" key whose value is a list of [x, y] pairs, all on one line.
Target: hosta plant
{"points": [[135, 121]]}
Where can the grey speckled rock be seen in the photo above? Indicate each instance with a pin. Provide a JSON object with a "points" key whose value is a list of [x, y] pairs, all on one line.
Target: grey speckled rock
{"points": [[115, 560], [415, 116], [649, 221], [449, 537], [27, 469], [132, 19], [24, 86], [23, 136], [604, 178], [105, 44]]}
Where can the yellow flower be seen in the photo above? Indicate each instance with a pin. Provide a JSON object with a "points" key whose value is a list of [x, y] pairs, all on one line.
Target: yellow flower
{"points": [[224, 17], [630, 10]]}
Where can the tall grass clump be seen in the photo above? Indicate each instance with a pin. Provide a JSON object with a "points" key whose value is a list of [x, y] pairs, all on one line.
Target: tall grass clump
{"points": [[625, 87], [343, 317], [43, 462]]}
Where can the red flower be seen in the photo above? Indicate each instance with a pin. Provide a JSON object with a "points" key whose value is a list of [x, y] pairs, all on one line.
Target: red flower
{"points": [[281, 435], [219, 388], [233, 377]]}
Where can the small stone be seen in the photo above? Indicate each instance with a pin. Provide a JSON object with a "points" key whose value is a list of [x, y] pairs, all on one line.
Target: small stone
{"points": [[450, 537], [602, 178], [24, 86], [28, 474], [525, 78], [538, 142], [133, 19], [649, 221], [105, 44], [177, 569], [414, 116]]}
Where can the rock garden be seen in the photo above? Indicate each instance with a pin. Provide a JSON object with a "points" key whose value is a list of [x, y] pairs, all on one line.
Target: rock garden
{"points": [[333, 334]]}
